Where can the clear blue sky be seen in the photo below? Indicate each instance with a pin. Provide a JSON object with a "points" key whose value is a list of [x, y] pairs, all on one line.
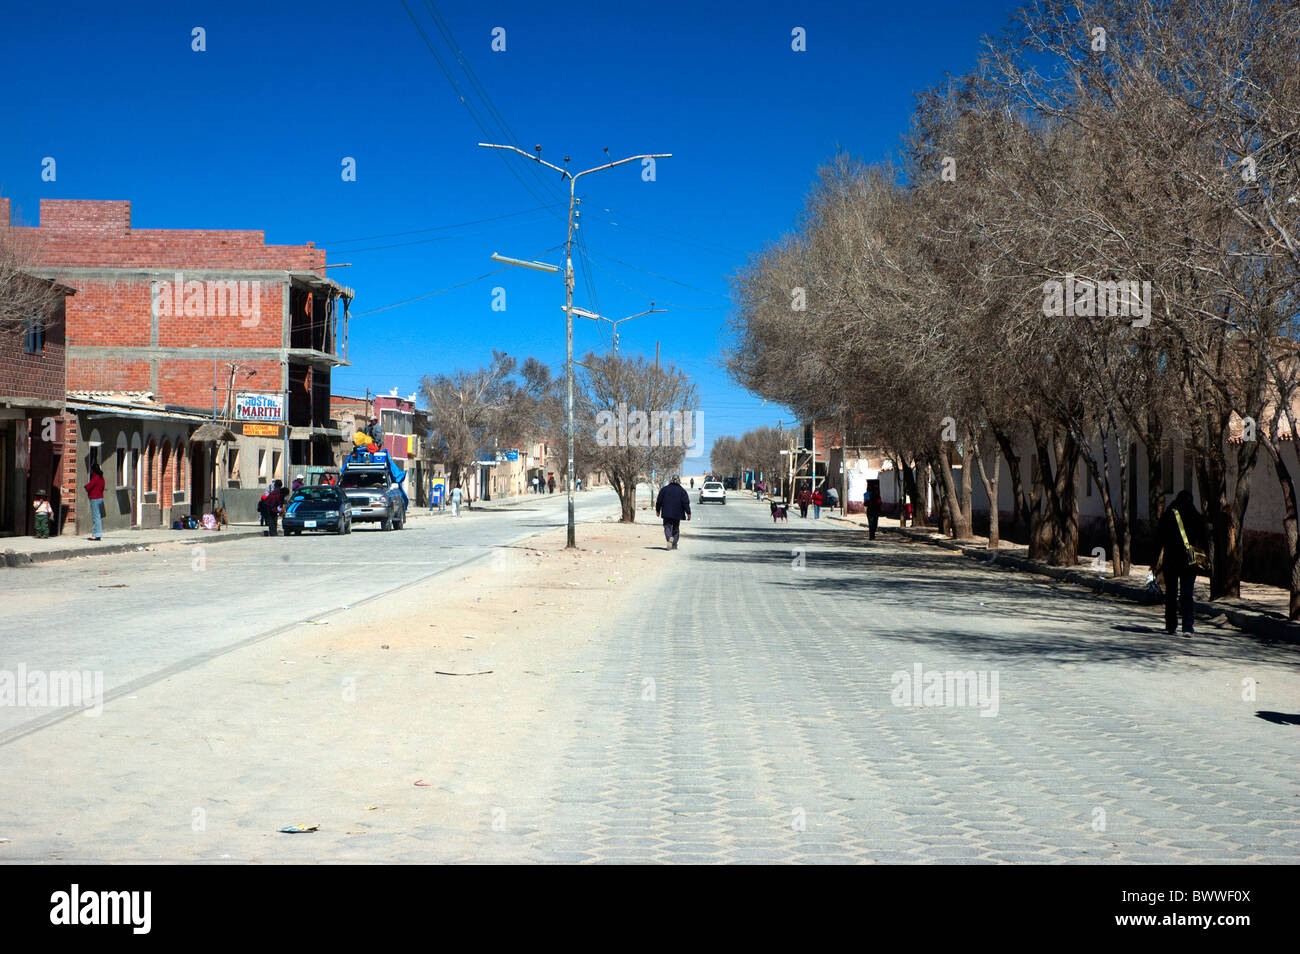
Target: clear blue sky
{"points": [[252, 134]]}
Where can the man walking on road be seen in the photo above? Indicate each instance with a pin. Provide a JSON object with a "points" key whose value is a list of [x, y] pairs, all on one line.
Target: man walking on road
{"points": [[456, 494], [673, 504], [872, 502]]}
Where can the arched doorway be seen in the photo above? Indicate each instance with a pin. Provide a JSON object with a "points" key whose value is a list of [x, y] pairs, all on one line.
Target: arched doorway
{"points": [[198, 478]]}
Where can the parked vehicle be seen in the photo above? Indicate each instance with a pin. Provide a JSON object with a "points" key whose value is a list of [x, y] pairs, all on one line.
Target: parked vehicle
{"points": [[373, 493], [713, 492], [319, 507]]}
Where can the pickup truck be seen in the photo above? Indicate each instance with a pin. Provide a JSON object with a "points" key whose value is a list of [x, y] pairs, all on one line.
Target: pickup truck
{"points": [[374, 488]]}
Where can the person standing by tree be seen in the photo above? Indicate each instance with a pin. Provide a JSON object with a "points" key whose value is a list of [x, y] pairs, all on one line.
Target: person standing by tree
{"points": [[1180, 537], [672, 505], [95, 491]]}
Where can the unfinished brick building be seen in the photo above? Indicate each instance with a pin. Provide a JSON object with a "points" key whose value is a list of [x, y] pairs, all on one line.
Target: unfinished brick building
{"points": [[166, 326]]}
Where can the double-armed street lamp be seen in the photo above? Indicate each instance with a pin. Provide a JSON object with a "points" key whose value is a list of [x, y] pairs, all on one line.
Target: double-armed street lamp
{"points": [[573, 178], [615, 322]]}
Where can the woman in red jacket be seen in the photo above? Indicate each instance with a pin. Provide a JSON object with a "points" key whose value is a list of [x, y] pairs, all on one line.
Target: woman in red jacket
{"points": [[95, 491]]}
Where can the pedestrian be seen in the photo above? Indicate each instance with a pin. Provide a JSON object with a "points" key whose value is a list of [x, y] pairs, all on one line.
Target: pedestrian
{"points": [[550, 483], [534, 484], [297, 484], [456, 495], [95, 491], [692, 483], [804, 500], [274, 499], [672, 504], [1180, 537], [43, 514], [579, 484], [871, 499], [818, 498], [832, 497], [906, 519]]}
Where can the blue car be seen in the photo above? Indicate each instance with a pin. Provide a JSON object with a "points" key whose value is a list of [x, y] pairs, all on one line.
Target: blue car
{"points": [[320, 507]]}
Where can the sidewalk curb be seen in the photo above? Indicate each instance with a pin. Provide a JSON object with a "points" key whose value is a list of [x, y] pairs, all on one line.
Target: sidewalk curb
{"points": [[481, 505], [15, 559], [1257, 623]]}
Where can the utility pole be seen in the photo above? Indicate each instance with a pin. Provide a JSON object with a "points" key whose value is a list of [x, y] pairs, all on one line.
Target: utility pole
{"points": [[568, 284]]}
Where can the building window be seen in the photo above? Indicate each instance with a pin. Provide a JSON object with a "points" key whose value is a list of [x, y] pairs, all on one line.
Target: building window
{"points": [[275, 464], [150, 455], [34, 336], [261, 463], [232, 462]]}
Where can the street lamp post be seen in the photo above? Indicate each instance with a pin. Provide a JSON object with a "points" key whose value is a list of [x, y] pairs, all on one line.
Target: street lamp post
{"points": [[573, 178], [615, 322]]}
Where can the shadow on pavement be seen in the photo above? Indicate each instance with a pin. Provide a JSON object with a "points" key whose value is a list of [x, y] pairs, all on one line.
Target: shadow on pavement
{"points": [[1052, 621], [1280, 718]]}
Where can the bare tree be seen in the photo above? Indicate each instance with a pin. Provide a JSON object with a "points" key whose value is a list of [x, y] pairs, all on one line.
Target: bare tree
{"points": [[643, 418]]}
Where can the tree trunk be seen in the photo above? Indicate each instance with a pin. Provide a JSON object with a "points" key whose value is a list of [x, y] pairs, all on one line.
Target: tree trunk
{"points": [[990, 489], [958, 522], [1065, 499], [1290, 523], [967, 491], [912, 492], [1019, 500]]}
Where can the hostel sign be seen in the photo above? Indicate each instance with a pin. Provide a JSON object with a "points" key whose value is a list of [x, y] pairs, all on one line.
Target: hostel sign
{"points": [[261, 407]]}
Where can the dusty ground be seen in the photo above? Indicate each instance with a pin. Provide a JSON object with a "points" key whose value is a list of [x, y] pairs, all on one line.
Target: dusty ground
{"points": [[453, 684]]}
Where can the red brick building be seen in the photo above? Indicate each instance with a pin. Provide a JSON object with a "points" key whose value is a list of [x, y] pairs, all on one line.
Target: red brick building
{"points": [[32, 435], [166, 326]]}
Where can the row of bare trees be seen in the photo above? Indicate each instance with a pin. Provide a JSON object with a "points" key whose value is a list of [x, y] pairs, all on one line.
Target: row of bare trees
{"points": [[634, 419], [757, 451], [1089, 245]]}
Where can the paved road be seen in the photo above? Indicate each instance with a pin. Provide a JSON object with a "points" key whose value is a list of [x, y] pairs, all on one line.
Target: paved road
{"points": [[746, 711], [140, 616], [770, 733]]}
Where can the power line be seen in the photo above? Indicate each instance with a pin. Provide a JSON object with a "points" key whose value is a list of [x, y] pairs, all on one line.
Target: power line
{"points": [[663, 278], [466, 103]]}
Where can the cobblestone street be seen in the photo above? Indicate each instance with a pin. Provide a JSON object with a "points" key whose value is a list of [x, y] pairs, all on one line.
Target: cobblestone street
{"points": [[745, 715], [742, 709]]}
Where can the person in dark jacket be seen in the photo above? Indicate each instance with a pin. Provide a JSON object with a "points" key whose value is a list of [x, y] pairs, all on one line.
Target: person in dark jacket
{"points": [[673, 504], [1180, 574], [274, 500], [871, 501], [804, 499]]}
